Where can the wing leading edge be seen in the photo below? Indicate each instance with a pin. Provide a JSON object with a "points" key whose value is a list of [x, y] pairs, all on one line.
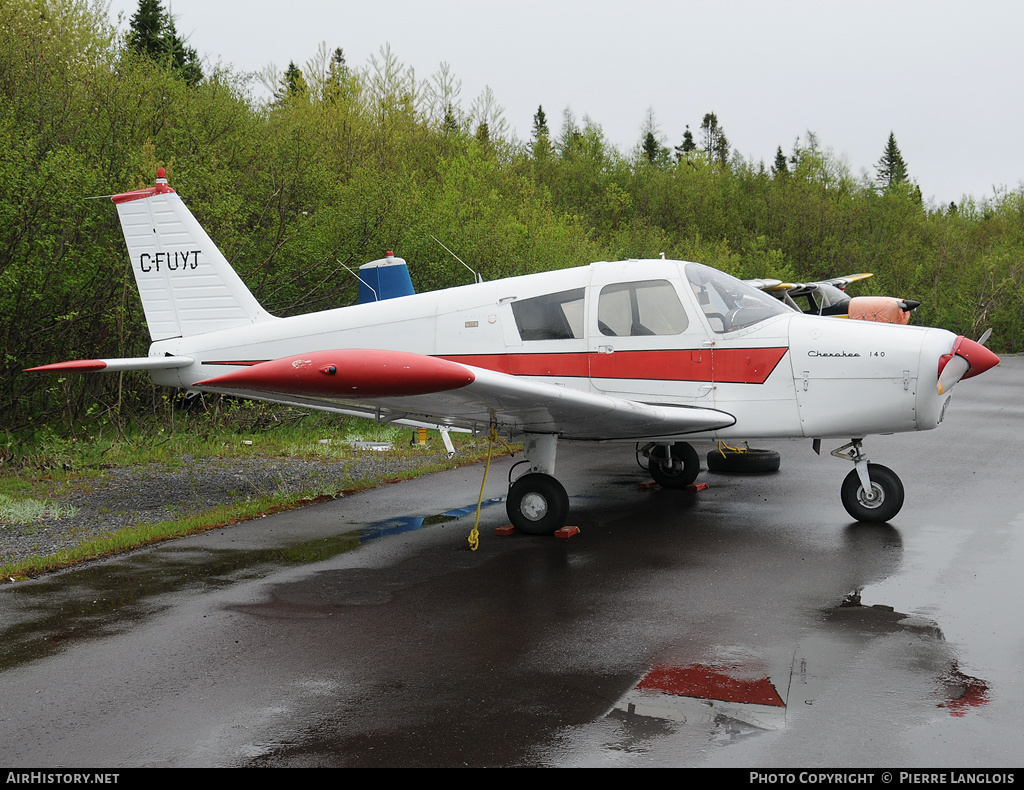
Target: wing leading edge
{"points": [[413, 387]]}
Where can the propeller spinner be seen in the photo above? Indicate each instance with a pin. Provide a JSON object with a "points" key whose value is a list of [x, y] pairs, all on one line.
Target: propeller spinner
{"points": [[968, 358]]}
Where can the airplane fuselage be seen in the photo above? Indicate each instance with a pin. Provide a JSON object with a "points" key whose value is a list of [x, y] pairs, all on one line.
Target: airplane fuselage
{"points": [[782, 375]]}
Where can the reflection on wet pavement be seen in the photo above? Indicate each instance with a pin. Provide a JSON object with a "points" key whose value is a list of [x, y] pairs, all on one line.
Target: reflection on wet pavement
{"points": [[702, 693], [44, 616], [734, 700]]}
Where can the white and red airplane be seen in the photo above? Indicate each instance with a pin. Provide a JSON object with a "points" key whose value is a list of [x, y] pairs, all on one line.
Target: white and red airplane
{"points": [[656, 352]]}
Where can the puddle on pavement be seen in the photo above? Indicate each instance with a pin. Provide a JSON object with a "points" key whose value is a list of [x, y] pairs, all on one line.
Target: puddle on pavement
{"points": [[44, 616], [730, 702]]}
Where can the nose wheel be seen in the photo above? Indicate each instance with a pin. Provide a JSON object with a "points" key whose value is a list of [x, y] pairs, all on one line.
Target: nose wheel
{"points": [[871, 492], [880, 502]]}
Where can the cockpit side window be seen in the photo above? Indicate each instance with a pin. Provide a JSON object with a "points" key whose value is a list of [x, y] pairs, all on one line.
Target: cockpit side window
{"points": [[727, 303], [557, 316], [650, 307]]}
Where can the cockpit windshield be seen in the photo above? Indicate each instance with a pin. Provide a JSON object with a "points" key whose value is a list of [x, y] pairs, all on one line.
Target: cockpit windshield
{"points": [[728, 303]]}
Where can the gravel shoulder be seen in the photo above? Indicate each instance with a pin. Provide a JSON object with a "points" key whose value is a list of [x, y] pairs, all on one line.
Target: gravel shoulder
{"points": [[121, 497]]}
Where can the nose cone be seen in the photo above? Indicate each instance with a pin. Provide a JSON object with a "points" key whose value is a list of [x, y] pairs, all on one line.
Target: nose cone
{"points": [[979, 357]]}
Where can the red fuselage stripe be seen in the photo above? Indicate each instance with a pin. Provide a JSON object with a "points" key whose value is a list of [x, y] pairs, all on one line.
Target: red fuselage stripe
{"points": [[730, 365]]}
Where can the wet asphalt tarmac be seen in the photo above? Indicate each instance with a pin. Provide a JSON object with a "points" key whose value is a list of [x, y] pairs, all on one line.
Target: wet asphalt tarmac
{"points": [[676, 629]]}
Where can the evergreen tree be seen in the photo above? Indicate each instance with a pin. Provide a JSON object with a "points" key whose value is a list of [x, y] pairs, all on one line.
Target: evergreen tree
{"points": [[338, 63], [651, 147], [541, 135], [780, 168], [293, 84], [570, 138], [145, 30], [151, 31], [891, 168], [336, 77], [451, 123], [715, 143], [540, 123], [687, 145], [656, 153], [483, 135]]}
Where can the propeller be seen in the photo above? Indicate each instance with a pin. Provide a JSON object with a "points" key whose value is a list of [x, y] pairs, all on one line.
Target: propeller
{"points": [[968, 358]]}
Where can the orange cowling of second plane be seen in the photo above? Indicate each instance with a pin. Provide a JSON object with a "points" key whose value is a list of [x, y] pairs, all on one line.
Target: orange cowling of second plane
{"points": [[883, 309]]}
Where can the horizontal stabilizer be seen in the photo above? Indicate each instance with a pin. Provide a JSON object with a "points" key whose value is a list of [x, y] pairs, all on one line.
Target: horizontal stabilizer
{"points": [[114, 365]]}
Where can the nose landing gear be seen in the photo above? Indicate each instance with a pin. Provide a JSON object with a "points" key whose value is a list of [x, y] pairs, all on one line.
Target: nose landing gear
{"points": [[871, 492]]}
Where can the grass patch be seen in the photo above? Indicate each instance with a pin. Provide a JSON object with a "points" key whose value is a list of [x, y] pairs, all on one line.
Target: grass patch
{"points": [[30, 485], [40, 464], [32, 511], [146, 534]]}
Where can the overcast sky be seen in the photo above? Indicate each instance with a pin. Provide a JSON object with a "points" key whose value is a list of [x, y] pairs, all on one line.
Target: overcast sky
{"points": [[945, 77]]}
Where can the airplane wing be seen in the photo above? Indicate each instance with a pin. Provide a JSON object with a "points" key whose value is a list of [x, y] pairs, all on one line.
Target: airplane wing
{"points": [[778, 287], [400, 386]]}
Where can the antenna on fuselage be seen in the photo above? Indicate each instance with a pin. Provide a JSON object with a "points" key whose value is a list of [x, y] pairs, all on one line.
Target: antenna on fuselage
{"points": [[476, 275], [376, 298]]}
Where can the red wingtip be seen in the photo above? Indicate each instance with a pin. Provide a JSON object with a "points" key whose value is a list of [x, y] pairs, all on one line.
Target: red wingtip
{"points": [[77, 366]]}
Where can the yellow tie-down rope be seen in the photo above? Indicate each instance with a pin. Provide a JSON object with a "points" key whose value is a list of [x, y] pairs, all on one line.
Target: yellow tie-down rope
{"points": [[474, 536], [722, 447]]}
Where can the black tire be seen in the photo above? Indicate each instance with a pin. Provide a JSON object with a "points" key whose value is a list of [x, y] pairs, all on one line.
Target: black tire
{"points": [[537, 504], [747, 461], [674, 476], [889, 495]]}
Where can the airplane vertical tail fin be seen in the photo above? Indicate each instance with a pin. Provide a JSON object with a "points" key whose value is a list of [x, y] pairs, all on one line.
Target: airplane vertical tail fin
{"points": [[186, 284]]}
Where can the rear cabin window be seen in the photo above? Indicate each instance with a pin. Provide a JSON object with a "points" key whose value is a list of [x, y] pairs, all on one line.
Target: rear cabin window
{"points": [[642, 308], [556, 316]]}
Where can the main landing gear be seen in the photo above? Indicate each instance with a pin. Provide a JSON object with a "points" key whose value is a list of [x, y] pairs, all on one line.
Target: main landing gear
{"points": [[537, 503], [672, 465], [871, 492]]}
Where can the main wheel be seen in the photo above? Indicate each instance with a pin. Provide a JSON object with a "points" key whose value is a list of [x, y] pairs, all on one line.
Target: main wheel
{"points": [[746, 461], [678, 471], [882, 503], [537, 504]]}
